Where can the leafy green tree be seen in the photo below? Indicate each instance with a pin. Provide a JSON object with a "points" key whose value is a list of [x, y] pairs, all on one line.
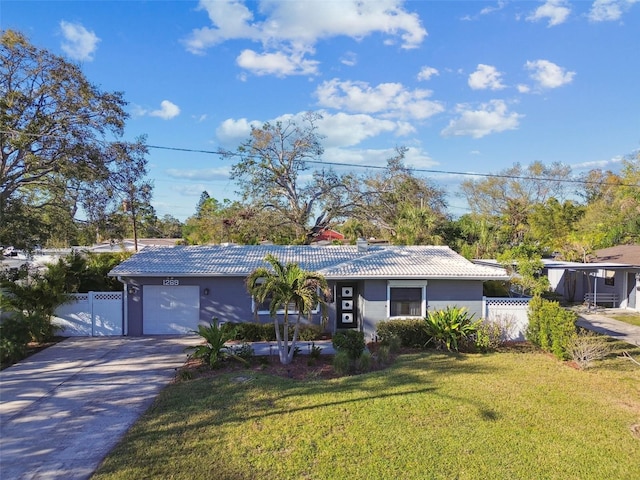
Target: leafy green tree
{"points": [[55, 132], [551, 223], [508, 197], [525, 265], [286, 287], [273, 174], [404, 207]]}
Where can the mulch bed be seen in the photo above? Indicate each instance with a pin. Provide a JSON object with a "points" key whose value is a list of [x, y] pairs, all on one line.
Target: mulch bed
{"points": [[303, 367]]}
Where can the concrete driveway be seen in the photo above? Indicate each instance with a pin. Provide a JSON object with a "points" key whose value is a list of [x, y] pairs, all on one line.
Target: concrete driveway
{"points": [[599, 322], [63, 409]]}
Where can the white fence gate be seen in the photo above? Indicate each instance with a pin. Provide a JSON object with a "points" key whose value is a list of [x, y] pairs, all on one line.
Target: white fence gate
{"points": [[511, 313], [91, 314]]}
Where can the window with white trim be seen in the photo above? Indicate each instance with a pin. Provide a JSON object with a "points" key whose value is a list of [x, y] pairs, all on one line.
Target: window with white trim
{"points": [[406, 299], [263, 308]]}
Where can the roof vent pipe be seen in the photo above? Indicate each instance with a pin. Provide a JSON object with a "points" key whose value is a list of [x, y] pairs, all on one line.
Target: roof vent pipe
{"points": [[362, 245]]}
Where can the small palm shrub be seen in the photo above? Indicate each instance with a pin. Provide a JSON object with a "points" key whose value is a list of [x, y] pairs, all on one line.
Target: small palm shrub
{"points": [[451, 327], [213, 351]]}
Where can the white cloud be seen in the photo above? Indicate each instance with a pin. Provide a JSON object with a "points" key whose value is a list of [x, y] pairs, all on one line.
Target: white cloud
{"points": [[338, 130], [485, 77], [522, 88], [167, 110], [279, 63], [556, 11], [414, 157], [427, 72], [547, 74], [492, 117], [232, 133], [79, 43], [609, 10], [295, 27], [210, 174], [349, 59], [390, 100], [344, 130], [487, 10]]}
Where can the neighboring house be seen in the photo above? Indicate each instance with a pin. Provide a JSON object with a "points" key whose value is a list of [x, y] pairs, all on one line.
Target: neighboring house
{"points": [[328, 235], [612, 276], [172, 289], [128, 245]]}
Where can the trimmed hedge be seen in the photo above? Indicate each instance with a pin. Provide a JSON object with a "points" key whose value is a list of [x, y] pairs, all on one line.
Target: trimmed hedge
{"points": [[551, 327], [265, 332], [411, 332]]}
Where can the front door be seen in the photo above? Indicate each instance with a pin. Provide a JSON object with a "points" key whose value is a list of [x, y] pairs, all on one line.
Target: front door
{"points": [[347, 305], [632, 290]]}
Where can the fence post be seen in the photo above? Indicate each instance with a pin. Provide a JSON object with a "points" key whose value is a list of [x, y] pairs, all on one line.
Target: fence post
{"points": [[484, 308], [93, 318]]}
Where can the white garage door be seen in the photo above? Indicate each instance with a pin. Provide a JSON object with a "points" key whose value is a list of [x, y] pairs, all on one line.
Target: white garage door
{"points": [[170, 310]]}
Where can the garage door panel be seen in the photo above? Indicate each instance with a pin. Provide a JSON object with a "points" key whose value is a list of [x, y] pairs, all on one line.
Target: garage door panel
{"points": [[170, 309]]}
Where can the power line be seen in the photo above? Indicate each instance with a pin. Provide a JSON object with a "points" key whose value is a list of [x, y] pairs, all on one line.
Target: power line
{"points": [[377, 167], [420, 170]]}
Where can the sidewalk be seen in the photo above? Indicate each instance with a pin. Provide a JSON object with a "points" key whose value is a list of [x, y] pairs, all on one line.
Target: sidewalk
{"points": [[599, 322]]}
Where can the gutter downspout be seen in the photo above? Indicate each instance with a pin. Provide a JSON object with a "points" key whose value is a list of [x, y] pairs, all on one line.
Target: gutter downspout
{"points": [[125, 308]]}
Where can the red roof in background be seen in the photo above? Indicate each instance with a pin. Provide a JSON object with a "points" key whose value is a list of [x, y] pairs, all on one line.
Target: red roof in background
{"points": [[329, 235]]}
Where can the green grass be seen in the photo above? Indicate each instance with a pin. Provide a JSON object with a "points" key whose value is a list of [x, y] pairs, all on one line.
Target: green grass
{"points": [[431, 415], [630, 318]]}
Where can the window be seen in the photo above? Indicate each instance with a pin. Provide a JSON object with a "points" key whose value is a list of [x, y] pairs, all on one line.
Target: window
{"points": [[407, 299], [263, 308], [610, 278]]}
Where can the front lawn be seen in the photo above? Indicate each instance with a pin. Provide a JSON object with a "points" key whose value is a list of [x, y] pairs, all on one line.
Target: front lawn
{"points": [[509, 415], [630, 318]]}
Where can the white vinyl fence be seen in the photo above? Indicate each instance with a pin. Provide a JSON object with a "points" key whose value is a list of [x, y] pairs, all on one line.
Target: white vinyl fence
{"points": [[91, 314], [510, 313]]}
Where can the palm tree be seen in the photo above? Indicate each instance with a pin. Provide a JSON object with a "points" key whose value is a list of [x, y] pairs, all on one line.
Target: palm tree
{"points": [[284, 287]]}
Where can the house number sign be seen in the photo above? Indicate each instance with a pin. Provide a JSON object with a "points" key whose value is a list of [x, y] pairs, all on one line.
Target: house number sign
{"points": [[170, 282]]}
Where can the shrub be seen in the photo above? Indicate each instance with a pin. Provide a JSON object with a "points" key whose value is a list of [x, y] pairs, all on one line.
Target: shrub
{"points": [[364, 362], [411, 332], [586, 348], [244, 351], [315, 351], [350, 341], [14, 337], [265, 332], [551, 327], [342, 362], [383, 354], [492, 334], [451, 327], [213, 352], [393, 343]]}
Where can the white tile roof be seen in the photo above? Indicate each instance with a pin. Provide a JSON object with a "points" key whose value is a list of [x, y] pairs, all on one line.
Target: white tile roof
{"points": [[334, 262]]}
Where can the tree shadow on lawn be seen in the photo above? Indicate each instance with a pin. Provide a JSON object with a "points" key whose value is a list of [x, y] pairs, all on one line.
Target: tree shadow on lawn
{"points": [[410, 374]]}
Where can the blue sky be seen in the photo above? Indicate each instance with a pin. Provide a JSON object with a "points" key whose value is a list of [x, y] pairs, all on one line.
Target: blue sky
{"points": [[467, 86]]}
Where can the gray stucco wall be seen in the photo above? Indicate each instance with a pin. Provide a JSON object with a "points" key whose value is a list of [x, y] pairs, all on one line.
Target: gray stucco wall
{"points": [[228, 300], [440, 294]]}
